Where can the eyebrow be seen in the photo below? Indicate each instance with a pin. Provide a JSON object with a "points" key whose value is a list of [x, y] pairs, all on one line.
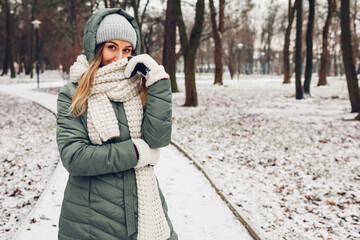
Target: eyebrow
{"points": [[112, 42], [118, 45]]}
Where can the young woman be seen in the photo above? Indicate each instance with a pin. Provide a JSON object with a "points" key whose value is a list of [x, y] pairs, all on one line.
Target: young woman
{"points": [[112, 119]]}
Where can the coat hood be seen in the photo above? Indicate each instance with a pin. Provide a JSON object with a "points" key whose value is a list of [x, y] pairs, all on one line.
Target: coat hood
{"points": [[92, 25]]}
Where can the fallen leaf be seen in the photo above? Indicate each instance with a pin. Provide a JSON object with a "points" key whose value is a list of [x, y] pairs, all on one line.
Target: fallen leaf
{"points": [[15, 193], [309, 197]]}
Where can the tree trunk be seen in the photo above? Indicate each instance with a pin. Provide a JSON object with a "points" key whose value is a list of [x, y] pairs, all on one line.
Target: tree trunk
{"points": [[230, 59], [218, 43], [309, 47], [190, 47], [191, 93], [5, 63], [354, 35], [346, 47], [169, 54], [24, 46], [139, 19], [298, 52], [6, 57], [287, 73], [232, 67], [336, 71], [325, 44], [221, 16], [135, 7], [31, 60], [76, 30], [8, 50]]}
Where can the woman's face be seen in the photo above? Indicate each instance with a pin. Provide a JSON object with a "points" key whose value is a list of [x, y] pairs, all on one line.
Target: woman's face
{"points": [[115, 50]]}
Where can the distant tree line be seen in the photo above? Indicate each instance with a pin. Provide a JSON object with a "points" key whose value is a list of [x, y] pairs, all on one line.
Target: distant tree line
{"points": [[218, 35], [62, 24], [348, 40]]}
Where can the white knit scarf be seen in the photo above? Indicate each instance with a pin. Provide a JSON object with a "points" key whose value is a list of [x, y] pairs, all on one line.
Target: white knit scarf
{"points": [[111, 84]]}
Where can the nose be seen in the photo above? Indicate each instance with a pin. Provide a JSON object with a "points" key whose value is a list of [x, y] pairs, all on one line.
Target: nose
{"points": [[119, 55]]}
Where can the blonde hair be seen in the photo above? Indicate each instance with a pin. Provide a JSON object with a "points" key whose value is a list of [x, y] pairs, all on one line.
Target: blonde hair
{"points": [[79, 99]]}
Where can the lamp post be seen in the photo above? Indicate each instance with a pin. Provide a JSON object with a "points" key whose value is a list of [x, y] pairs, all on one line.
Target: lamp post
{"points": [[239, 46], [36, 24]]}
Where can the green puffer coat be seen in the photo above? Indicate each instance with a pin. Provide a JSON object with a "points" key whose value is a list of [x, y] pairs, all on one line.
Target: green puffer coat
{"points": [[100, 199]]}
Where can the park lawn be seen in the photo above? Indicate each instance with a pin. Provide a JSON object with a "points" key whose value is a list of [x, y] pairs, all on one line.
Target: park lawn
{"points": [[28, 158], [291, 167]]}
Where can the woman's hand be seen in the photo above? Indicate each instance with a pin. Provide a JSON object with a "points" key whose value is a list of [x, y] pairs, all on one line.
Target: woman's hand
{"points": [[147, 155], [141, 63], [147, 66]]}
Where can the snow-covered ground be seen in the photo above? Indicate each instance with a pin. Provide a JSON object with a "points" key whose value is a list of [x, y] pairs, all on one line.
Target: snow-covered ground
{"points": [[28, 157], [194, 207], [48, 76], [290, 166]]}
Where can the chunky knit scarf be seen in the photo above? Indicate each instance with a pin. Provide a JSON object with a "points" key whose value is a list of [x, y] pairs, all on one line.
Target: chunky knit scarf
{"points": [[110, 84]]}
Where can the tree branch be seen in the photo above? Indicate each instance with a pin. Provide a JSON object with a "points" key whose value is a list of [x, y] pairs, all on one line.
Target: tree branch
{"points": [[55, 24], [143, 13]]}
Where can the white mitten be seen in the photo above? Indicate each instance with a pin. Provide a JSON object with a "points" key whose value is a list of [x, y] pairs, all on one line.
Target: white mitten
{"points": [[147, 66], [154, 156], [147, 155]]}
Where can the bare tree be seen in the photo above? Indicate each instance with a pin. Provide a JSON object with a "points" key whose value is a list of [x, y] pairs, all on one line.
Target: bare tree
{"points": [[217, 31], [169, 54], [334, 39], [347, 49], [8, 58], [60, 33], [286, 55], [189, 47], [21, 38], [116, 3], [25, 46], [229, 56], [268, 32], [325, 43], [238, 30], [76, 29], [124, 4], [153, 36], [309, 47], [232, 56], [355, 40], [64, 20], [139, 18], [247, 37], [298, 52]]}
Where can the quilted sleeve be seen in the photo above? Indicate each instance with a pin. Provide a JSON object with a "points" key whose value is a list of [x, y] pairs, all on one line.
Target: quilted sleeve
{"points": [[78, 155], [156, 126]]}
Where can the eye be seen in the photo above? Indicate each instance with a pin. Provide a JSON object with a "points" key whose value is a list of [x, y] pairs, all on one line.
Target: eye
{"points": [[111, 47], [127, 50]]}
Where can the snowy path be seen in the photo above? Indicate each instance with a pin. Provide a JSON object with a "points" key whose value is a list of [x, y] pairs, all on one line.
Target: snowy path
{"points": [[197, 212]]}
